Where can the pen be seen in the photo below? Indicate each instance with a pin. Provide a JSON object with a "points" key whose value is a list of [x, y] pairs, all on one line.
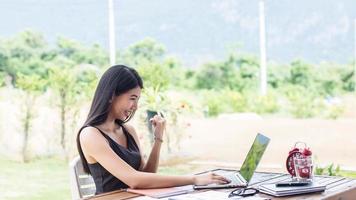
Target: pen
{"points": [[287, 184]]}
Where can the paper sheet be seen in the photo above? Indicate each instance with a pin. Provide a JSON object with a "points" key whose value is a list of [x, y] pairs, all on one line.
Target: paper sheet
{"points": [[212, 195]]}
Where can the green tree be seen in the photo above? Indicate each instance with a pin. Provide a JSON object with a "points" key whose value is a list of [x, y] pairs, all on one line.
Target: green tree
{"points": [[347, 78], [22, 54], [21, 59], [3, 62], [239, 72], [2, 78], [278, 75], [72, 84], [154, 75], [328, 79], [32, 86], [175, 72], [80, 54], [209, 77], [248, 72], [62, 81], [144, 52], [147, 56], [301, 73]]}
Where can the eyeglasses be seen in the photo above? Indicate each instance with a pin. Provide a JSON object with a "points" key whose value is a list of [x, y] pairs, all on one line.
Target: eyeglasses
{"points": [[243, 192]]}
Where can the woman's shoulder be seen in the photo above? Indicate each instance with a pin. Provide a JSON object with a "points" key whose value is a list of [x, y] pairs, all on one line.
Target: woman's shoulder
{"points": [[93, 143], [90, 133]]}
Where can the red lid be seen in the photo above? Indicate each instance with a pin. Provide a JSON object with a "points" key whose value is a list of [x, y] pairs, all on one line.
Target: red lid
{"points": [[307, 152]]}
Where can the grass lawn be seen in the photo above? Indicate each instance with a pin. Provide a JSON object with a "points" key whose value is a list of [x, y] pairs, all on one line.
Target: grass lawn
{"points": [[47, 178], [349, 174], [43, 179]]}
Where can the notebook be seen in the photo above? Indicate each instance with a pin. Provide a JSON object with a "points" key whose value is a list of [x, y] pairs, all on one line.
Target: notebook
{"points": [[273, 190], [243, 177]]}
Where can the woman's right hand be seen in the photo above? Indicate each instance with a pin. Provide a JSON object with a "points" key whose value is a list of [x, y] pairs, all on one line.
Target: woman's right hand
{"points": [[209, 178], [159, 124]]}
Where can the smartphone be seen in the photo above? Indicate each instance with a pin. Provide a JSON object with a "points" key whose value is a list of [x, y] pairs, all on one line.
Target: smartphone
{"points": [[290, 184]]}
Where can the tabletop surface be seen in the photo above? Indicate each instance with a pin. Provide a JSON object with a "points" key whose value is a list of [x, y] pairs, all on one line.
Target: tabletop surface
{"points": [[336, 188]]}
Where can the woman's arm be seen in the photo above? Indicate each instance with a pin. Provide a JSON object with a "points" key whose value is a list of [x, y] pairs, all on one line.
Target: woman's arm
{"points": [[96, 148], [153, 160], [159, 126]]}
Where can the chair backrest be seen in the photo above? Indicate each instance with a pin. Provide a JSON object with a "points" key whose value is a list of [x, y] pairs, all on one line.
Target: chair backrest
{"points": [[82, 184]]}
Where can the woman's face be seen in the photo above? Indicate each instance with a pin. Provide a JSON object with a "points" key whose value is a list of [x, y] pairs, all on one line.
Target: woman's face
{"points": [[125, 104]]}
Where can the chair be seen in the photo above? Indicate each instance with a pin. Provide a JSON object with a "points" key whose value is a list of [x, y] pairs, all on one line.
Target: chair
{"points": [[82, 184]]}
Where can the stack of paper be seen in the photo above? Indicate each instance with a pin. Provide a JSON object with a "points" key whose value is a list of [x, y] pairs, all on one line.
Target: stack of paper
{"points": [[271, 189], [163, 192]]}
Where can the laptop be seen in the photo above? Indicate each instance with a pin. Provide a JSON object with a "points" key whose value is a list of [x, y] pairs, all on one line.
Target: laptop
{"points": [[242, 178]]}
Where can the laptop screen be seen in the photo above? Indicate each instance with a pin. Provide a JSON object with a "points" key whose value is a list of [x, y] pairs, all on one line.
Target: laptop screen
{"points": [[254, 156]]}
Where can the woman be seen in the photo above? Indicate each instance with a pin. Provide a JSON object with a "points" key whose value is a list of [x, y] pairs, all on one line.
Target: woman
{"points": [[109, 148]]}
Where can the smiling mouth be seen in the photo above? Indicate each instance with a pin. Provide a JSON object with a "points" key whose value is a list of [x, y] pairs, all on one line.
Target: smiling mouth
{"points": [[128, 113]]}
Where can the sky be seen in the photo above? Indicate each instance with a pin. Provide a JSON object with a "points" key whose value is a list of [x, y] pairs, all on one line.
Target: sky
{"points": [[196, 31]]}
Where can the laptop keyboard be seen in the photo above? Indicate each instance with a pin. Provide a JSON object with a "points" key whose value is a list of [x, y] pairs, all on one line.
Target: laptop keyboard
{"points": [[232, 177]]}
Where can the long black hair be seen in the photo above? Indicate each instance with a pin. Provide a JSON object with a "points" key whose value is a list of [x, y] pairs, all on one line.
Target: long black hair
{"points": [[115, 81]]}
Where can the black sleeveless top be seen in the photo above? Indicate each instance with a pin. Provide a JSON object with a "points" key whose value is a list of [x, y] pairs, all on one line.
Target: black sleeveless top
{"points": [[104, 180]]}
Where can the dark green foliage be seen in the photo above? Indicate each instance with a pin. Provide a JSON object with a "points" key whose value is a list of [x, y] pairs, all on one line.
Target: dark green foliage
{"points": [[233, 82], [237, 73], [301, 73], [347, 77], [80, 54]]}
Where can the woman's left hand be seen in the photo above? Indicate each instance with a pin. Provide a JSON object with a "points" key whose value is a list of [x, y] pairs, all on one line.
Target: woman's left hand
{"points": [[159, 124]]}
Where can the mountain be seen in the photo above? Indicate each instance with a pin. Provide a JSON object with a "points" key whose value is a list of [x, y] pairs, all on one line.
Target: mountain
{"points": [[197, 31]]}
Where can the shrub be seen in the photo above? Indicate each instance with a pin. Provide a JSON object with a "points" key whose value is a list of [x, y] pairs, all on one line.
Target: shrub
{"points": [[329, 170], [213, 103], [213, 106], [264, 104], [303, 102], [235, 101]]}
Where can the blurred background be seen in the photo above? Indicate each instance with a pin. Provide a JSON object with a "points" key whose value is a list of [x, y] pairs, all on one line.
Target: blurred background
{"points": [[219, 70]]}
